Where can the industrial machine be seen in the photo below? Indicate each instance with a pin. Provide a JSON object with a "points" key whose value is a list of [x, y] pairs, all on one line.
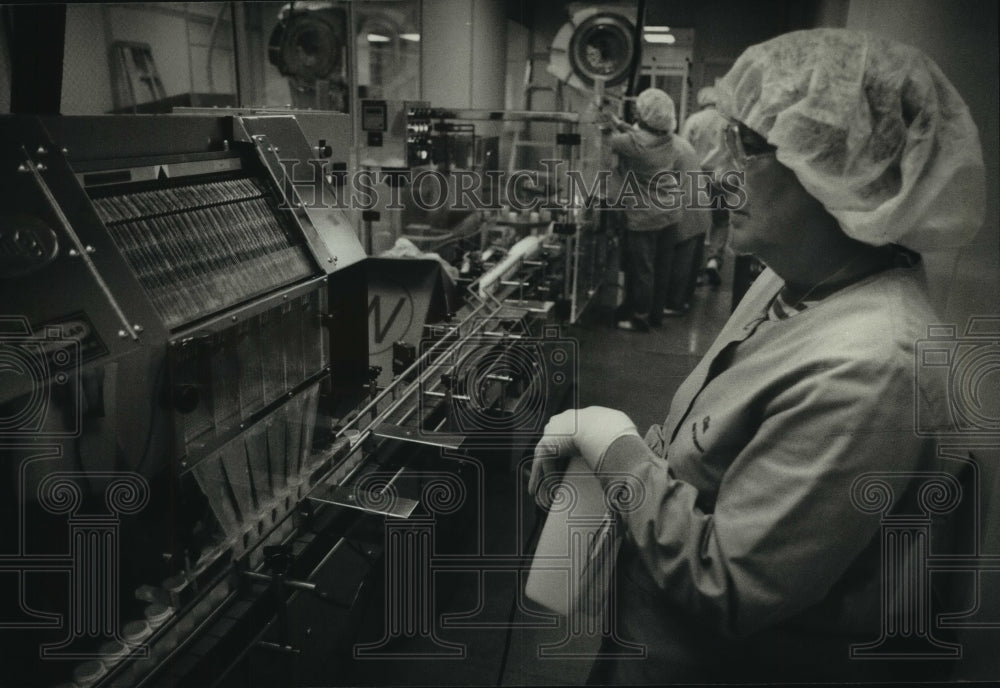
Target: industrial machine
{"points": [[168, 308], [471, 189], [198, 458]]}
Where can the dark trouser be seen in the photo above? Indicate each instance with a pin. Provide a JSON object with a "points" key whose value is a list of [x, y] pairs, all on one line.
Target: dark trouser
{"points": [[647, 276], [684, 274], [718, 234]]}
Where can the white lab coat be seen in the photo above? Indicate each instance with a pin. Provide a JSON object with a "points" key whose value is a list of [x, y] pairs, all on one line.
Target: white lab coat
{"points": [[747, 554], [646, 156], [704, 131]]}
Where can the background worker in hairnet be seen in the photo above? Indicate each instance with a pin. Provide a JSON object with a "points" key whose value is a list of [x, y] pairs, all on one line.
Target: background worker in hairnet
{"points": [[748, 557], [645, 151], [704, 131]]}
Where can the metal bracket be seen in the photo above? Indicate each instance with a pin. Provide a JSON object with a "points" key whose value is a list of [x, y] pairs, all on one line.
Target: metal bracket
{"points": [[568, 139], [531, 305], [433, 439], [128, 330], [398, 507]]}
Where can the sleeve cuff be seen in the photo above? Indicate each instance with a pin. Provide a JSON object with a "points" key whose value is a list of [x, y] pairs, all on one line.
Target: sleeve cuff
{"points": [[623, 456]]}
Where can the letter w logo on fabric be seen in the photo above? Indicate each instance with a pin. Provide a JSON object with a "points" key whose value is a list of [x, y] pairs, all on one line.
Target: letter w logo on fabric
{"points": [[375, 310]]}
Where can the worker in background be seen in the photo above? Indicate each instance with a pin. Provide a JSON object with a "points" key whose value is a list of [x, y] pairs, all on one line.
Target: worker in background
{"points": [[644, 150], [688, 252], [703, 130], [753, 551]]}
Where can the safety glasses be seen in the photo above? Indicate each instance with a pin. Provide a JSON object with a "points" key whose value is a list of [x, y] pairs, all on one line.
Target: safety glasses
{"points": [[744, 144]]}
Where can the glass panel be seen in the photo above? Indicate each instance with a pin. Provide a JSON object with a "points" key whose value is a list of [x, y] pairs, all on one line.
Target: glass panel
{"points": [[298, 54], [387, 46], [152, 57], [147, 57], [302, 52]]}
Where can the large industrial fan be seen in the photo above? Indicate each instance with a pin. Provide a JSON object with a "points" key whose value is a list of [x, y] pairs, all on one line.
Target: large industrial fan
{"points": [[308, 46], [596, 44]]}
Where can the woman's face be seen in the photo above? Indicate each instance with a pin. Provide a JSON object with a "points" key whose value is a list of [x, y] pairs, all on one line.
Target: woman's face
{"points": [[778, 212]]}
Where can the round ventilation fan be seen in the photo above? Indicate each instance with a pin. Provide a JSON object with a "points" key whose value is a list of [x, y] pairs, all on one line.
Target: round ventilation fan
{"points": [[307, 45], [593, 45]]}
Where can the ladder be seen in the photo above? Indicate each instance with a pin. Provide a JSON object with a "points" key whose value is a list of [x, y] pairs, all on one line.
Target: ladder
{"points": [[522, 135], [134, 76]]}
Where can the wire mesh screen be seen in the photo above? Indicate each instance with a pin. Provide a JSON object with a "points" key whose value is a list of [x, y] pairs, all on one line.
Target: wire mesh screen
{"points": [[188, 272]]}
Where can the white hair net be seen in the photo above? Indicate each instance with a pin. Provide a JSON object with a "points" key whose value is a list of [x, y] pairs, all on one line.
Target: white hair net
{"points": [[706, 96], [656, 109], [872, 129]]}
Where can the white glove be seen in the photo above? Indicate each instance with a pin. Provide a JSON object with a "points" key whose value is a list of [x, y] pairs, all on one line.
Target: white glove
{"points": [[585, 432]]}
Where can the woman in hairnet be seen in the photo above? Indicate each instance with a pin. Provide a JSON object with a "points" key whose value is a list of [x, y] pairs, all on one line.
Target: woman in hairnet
{"points": [[647, 152], [745, 557], [703, 130]]}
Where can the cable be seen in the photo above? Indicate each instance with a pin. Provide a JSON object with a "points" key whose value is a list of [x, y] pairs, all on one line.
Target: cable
{"points": [[633, 76], [453, 240], [212, 35]]}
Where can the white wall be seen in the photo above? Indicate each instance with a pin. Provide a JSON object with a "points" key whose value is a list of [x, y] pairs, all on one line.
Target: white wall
{"points": [[518, 50], [275, 89], [169, 29], [223, 78], [962, 38], [489, 54], [464, 53], [86, 84], [446, 42]]}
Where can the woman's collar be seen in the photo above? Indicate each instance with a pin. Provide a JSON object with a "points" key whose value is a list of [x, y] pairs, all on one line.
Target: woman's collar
{"points": [[651, 130]]}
